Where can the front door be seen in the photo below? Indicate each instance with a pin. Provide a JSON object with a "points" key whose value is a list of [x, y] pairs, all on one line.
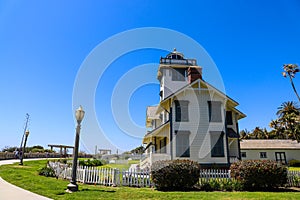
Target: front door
{"points": [[280, 157]]}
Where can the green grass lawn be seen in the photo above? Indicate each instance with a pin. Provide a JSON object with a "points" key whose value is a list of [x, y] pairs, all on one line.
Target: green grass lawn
{"points": [[27, 177], [121, 166]]}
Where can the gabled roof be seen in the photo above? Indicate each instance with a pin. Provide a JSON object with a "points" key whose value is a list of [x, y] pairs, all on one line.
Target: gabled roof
{"points": [[151, 112], [156, 131], [200, 81], [203, 82], [269, 144], [151, 115]]}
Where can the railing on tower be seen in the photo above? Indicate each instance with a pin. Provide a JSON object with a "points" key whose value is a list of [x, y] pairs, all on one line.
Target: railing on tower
{"points": [[192, 62]]}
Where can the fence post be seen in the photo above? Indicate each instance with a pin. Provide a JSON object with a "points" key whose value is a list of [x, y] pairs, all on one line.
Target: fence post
{"points": [[83, 174]]}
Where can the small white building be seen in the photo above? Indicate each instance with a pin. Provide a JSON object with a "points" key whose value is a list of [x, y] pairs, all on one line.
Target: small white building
{"points": [[278, 150], [193, 119]]}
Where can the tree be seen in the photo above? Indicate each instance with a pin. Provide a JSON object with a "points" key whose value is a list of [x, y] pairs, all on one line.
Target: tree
{"points": [[290, 70], [9, 149], [244, 134], [288, 123], [138, 150], [287, 108], [257, 133]]}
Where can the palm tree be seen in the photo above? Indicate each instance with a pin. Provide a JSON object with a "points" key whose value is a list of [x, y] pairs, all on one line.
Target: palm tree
{"points": [[259, 133], [244, 134], [287, 108], [291, 70], [287, 123]]}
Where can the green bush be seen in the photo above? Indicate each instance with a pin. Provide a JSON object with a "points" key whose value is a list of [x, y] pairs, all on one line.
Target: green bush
{"points": [[221, 185], [259, 174], [90, 163], [175, 175], [47, 171], [63, 160], [294, 163]]}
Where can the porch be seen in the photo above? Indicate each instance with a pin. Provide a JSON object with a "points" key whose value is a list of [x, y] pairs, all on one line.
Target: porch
{"points": [[150, 158], [233, 148]]}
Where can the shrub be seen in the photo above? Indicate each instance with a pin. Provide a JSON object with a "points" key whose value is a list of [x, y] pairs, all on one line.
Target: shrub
{"points": [[47, 171], [221, 185], [206, 187], [90, 163], [236, 185], [63, 160], [226, 186], [294, 163], [259, 174], [175, 175]]}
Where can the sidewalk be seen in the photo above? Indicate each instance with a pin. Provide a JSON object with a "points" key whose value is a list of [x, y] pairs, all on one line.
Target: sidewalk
{"points": [[12, 192]]}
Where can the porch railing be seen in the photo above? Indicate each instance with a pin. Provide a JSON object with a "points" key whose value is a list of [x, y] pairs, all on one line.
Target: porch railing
{"points": [[150, 158]]}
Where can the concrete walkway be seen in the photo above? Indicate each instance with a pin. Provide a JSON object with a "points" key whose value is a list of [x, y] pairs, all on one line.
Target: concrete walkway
{"points": [[12, 192]]}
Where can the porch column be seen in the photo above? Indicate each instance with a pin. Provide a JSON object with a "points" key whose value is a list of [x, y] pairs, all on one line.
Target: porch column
{"points": [[226, 136], [171, 133], [238, 132]]}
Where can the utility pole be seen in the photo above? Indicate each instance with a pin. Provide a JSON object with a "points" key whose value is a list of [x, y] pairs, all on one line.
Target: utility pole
{"points": [[96, 149], [21, 154]]}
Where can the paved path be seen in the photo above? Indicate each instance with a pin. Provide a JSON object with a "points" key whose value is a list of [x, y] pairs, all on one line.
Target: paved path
{"points": [[12, 192]]}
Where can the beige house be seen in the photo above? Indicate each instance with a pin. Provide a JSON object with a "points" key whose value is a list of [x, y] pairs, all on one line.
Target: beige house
{"points": [[193, 120], [279, 150]]}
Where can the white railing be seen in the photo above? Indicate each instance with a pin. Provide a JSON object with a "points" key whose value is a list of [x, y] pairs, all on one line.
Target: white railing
{"points": [[150, 158], [180, 62], [221, 175], [145, 161], [233, 159], [293, 179], [160, 156], [103, 176]]}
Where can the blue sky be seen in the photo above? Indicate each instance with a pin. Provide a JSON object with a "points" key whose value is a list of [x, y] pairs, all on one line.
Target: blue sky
{"points": [[44, 43]]}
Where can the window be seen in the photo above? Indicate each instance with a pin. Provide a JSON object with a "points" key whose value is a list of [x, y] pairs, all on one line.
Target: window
{"points": [[161, 93], [280, 157], [178, 74], [217, 143], [263, 154], [162, 144], [243, 154], [183, 144], [181, 111], [153, 122], [214, 109], [229, 118]]}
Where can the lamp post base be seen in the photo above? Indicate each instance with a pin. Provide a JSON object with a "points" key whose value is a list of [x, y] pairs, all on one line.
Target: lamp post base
{"points": [[72, 187]]}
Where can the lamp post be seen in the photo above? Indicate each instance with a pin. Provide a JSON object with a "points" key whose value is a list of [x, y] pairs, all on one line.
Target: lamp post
{"points": [[23, 151], [72, 186]]}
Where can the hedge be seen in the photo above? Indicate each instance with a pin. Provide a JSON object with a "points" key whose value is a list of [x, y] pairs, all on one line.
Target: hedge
{"points": [[175, 175], [259, 174]]}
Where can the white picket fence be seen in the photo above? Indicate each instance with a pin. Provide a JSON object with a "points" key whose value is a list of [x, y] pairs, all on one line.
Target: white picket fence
{"points": [[141, 178], [221, 175], [293, 179], [104, 176]]}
